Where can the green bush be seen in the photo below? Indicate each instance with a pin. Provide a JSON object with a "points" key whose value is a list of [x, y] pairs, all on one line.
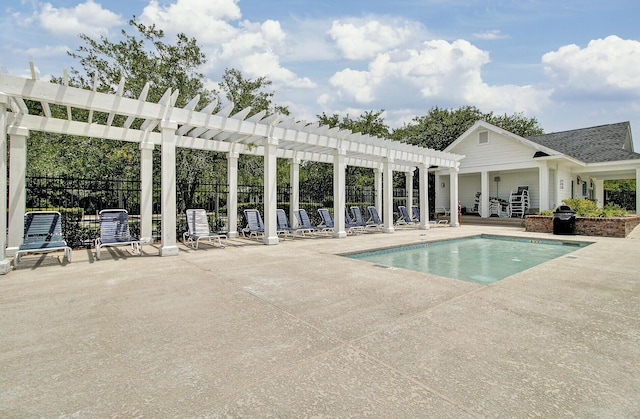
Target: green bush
{"points": [[588, 208]]}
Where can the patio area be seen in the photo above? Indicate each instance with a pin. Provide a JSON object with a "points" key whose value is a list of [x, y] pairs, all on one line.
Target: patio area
{"points": [[295, 330]]}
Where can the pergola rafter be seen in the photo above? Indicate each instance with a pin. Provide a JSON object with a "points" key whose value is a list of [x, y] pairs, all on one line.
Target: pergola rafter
{"points": [[165, 125]]}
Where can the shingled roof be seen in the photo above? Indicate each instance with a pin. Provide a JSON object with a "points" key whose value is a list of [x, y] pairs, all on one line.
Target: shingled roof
{"points": [[604, 143]]}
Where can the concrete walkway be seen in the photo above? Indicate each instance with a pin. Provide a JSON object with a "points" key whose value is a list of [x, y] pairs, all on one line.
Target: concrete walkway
{"points": [[294, 331]]}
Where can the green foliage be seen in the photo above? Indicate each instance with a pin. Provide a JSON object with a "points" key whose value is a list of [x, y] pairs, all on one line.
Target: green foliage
{"points": [[371, 123], [246, 93], [141, 59], [620, 185], [440, 127], [588, 208]]}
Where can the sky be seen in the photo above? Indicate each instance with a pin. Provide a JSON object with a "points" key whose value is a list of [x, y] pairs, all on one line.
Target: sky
{"points": [[568, 63]]}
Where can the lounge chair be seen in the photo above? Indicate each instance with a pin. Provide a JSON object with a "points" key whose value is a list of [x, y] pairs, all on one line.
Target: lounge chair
{"points": [[283, 224], [304, 222], [255, 226], [374, 216], [42, 234], [326, 225], [359, 219], [404, 219], [198, 229], [350, 225], [114, 231], [415, 213]]}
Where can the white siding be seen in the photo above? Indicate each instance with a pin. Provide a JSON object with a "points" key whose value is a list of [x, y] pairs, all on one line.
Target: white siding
{"points": [[499, 151]]}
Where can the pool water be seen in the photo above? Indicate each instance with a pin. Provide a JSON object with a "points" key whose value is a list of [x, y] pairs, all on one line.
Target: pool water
{"points": [[482, 259]]}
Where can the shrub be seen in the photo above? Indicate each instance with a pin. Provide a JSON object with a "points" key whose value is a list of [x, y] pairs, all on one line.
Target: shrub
{"points": [[587, 208]]}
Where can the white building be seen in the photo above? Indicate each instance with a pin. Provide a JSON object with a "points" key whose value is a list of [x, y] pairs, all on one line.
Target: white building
{"points": [[556, 166]]}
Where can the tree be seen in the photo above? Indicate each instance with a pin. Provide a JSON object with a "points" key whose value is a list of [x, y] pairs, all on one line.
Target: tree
{"points": [[246, 93], [143, 57], [252, 93], [440, 127], [371, 123]]}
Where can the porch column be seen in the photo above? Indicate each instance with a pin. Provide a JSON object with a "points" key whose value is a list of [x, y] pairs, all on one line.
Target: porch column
{"points": [[5, 265], [270, 191], [638, 191], [424, 196], [17, 184], [294, 181], [232, 194], [598, 192], [409, 189], [146, 192], [377, 178], [453, 196], [484, 194], [387, 188], [339, 192], [543, 171], [168, 206]]}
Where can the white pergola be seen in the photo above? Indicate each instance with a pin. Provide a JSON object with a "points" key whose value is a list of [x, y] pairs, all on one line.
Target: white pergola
{"points": [[168, 127]]}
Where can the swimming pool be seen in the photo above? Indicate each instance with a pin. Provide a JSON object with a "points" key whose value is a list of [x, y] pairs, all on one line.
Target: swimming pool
{"points": [[483, 259]]}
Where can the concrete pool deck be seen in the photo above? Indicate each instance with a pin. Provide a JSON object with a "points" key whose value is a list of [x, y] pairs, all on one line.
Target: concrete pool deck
{"points": [[295, 331]]}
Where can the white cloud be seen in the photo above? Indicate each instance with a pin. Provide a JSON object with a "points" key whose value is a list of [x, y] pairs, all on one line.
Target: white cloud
{"points": [[490, 35], [439, 72], [438, 68], [252, 47], [606, 67], [89, 18], [364, 39], [206, 19]]}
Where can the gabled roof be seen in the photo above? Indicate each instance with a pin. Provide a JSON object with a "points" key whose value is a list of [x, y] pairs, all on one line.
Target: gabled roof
{"points": [[604, 143], [540, 149]]}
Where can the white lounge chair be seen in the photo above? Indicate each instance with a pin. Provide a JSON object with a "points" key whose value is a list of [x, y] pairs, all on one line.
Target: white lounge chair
{"points": [[114, 231], [198, 229]]}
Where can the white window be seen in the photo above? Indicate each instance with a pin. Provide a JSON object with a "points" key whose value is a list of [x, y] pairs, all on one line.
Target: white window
{"points": [[483, 137]]}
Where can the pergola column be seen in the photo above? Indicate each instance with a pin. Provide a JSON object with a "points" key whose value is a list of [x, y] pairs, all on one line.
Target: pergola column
{"points": [[5, 265], [638, 191], [387, 206], [377, 178], [294, 181], [17, 182], [168, 194], [339, 192], [232, 194], [453, 195], [270, 191], [424, 196], [409, 188], [543, 175], [146, 192]]}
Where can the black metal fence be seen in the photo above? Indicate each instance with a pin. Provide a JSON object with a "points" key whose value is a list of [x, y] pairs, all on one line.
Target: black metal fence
{"points": [[80, 200]]}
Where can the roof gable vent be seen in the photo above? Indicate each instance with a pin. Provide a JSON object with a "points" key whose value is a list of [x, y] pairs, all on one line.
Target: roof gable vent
{"points": [[483, 137]]}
